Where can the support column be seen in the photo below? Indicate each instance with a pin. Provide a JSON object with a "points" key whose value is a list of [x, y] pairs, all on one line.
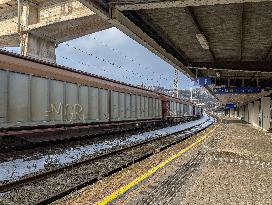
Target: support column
{"points": [[34, 45], [232, 112], [265, 110], [256, 108], [242, 112], [235, 113], [246, 113], [37, 47], [250, 113], [29, 13]]}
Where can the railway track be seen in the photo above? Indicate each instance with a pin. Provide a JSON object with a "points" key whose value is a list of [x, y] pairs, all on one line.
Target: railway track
{"points": [[93, 168], [21, 145]]}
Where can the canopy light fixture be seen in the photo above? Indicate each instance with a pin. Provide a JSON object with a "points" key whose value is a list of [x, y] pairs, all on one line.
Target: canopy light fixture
{"points": [[203, 41]]}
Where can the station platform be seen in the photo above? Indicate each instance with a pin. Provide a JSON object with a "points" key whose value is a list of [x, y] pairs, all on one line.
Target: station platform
{"points": [[229, 163]]}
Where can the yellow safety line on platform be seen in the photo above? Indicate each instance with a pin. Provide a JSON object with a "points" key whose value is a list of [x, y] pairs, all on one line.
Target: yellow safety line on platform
{"points": [[125, 188]]}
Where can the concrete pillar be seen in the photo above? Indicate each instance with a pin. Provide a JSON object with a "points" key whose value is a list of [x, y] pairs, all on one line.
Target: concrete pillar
{"points": [[256, 109], [246, 113], [232, 112], [250, 113], [242, 112], [29, 13], [36, 45], [265, 110]]}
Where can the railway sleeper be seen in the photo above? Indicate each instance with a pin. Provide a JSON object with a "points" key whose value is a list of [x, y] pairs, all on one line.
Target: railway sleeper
{"points": [[21, 139]]}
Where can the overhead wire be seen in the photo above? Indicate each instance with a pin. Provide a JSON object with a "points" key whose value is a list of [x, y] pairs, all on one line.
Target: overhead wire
{"points": [[120, 53], [116, 50], [93, 55], [84, 52]]}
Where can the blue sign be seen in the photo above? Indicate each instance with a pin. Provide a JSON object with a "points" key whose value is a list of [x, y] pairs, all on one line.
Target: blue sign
{"points": [[202, 81], [230, 105], [239, 90]]}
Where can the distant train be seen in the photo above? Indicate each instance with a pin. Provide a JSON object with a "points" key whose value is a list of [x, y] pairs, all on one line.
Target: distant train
{"points": [[40, 101]]}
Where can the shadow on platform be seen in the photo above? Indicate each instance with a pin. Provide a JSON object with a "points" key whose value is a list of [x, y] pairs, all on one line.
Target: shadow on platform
{"points": [[232, 121]]}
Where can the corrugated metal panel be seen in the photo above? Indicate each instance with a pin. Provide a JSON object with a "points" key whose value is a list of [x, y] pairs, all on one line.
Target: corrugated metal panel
{"points": [[190, 110], [103, 105], [157, 107], [71, 101], [114, 105], [71, 94], [154, 114], [178, 109], [146, 109], [39, 99], [122, 106], [133, 106], [83, 102], [181, 110], [93, 104], [19, 105], [56, 100], [184, 109], [175, 108], [128, 106], [138, 106], [150, 109], [160, 108], [142, 107], [171, 108], [3, 95]]}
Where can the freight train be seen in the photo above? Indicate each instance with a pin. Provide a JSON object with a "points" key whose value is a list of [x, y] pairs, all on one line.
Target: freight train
{"points": [[41, 101]]}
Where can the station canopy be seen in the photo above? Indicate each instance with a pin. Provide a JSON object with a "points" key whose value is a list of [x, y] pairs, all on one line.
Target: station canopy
{"points": [[227, 40]]}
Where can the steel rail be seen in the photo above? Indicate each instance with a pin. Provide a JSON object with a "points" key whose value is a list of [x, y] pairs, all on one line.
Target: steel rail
{"points": [[16, 184]]}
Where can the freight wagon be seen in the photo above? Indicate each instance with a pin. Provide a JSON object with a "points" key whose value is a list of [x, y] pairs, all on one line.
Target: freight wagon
{"points": [[29, 100], [40, 101], [175, 109]]}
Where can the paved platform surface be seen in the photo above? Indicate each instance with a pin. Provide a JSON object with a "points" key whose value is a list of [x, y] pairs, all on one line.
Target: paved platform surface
{"points": [[233, 167]]}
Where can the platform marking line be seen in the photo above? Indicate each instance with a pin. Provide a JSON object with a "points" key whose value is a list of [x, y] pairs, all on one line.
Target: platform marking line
{"points": [[249, 162], [151, 171]]}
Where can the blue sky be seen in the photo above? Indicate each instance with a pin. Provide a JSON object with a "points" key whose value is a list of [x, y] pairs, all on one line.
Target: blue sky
{"points": [[113, 54]]}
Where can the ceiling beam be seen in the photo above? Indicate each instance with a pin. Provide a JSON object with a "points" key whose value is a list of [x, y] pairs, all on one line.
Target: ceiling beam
{"points": [[242, 32], [233, 65], [234, 77], [254, 76], [122, 22], [196, 22], [158, 4], [267, 81], [98, 7], [268, 52], [154, 32]]}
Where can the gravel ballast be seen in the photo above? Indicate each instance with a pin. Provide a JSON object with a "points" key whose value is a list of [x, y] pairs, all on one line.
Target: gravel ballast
{"points": [[234, 166]]}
